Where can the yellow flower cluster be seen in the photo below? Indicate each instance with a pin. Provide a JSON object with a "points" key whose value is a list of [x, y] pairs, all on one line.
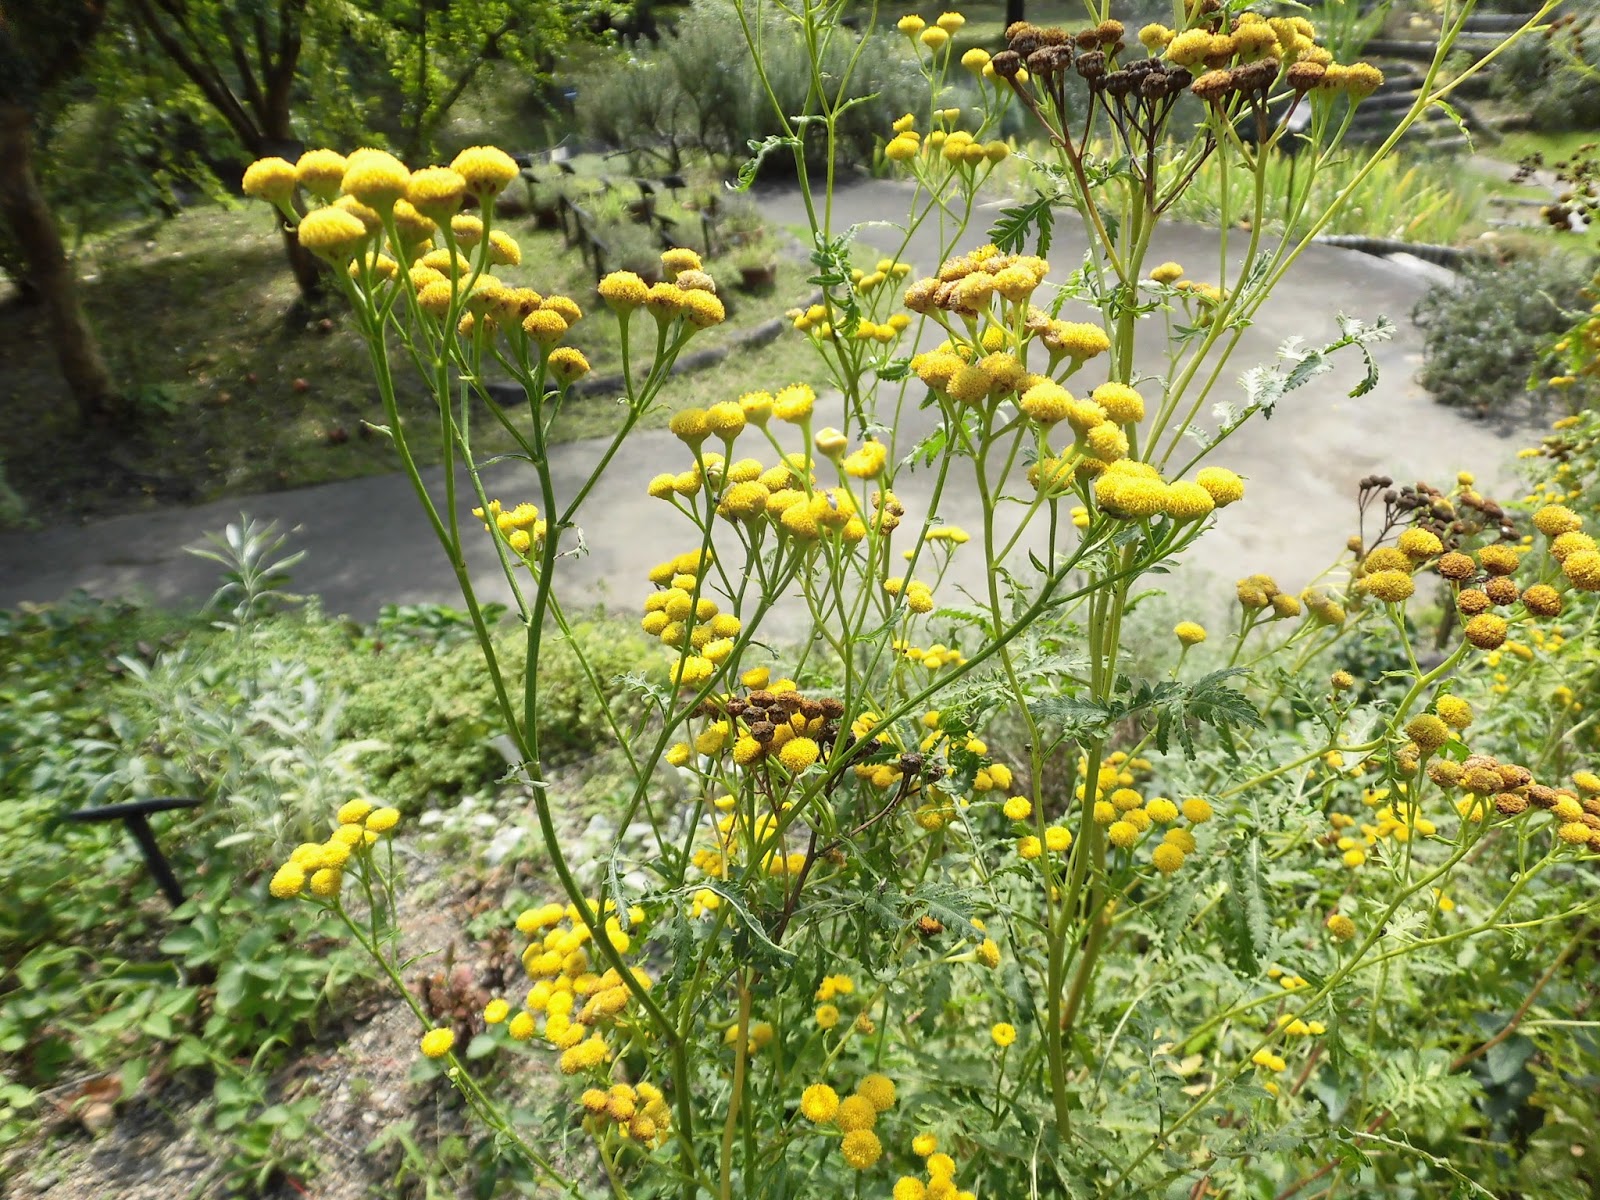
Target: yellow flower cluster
{"points": [[814, 322], [987, 283], [1397, 821], [638, 1113], [319, 867], [1486, 582], [1259, 594], [784, 497], [574, 1002], [774, 724], [936, 36], [681, 615], [941, 1173], [855, 1116], [387, 228], [1127, 815], [958, 148], [838, 988], [521, 527], [936, 657], [1481, 783], [1251, 40], [882, 271], [690, 295]]}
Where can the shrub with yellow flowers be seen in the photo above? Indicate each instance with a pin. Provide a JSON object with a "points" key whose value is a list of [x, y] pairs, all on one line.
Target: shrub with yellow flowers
{"points": [[954, 895]]}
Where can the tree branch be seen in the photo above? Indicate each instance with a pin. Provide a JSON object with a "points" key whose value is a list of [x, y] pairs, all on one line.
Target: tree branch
{"points": [[210, 82], [1522, 1009], [468, 74], [241, 62]]}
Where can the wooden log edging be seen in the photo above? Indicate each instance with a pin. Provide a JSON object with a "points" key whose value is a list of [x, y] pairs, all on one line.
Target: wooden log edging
{"points": [[506, 394]]}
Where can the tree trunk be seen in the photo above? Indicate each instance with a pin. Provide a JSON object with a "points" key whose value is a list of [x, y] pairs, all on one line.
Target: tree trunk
{"points": [[1013, 12], [307, 274], [24, 208]]}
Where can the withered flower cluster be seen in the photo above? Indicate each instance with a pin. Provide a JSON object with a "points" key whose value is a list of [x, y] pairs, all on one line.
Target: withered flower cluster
{"points": [[1452, 519], [1138, 96]]}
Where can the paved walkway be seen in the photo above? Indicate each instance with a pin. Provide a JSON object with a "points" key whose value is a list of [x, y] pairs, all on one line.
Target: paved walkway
{"points": [[368, 543]]}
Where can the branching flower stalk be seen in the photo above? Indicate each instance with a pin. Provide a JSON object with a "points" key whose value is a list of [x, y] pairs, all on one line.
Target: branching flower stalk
{"points": [[880, 859]]}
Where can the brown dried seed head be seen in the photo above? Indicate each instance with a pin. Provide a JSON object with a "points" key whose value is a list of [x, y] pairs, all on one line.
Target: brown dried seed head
{"points": [[1007, 63], [1472, 601], [1455, 565], [1213, 85], [1303, 76], [1502, 590], [1510, 804], [1257, 76], [1542, 796], [1514, 777], [762, 731], [1049, 59]]}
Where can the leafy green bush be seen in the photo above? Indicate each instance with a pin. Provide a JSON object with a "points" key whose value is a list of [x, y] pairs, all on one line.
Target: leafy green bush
{"points": [[1556, 91], [1483, 335], [102, 702], [666, 103], [274, 722]]}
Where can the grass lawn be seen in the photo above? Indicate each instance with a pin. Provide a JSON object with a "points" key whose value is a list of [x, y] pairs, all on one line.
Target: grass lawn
{"points": [[1555, 147], [232, 398]]}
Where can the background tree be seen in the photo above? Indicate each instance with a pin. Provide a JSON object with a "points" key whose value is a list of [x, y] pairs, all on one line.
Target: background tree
{"points": [[435, 50], [42, 43], [244, 58], [277, 72]]}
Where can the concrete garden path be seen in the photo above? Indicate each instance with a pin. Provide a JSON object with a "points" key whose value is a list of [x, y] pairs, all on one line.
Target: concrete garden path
{"points": [[368, 543]]}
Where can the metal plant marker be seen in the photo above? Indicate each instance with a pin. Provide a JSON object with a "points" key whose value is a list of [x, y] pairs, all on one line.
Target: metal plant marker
{"points": [[134, 814]]}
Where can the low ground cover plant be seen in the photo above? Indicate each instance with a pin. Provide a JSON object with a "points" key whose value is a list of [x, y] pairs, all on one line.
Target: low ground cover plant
{"points": [[267, 716]]}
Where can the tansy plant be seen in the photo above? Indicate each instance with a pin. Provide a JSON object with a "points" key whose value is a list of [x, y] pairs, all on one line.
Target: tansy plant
{"points": [[951, 896]]}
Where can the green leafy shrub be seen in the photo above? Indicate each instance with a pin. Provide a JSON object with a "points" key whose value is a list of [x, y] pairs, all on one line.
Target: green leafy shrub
{"points": [[665, 103], [1483, 335], [1553, 85], [102, 702]]}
